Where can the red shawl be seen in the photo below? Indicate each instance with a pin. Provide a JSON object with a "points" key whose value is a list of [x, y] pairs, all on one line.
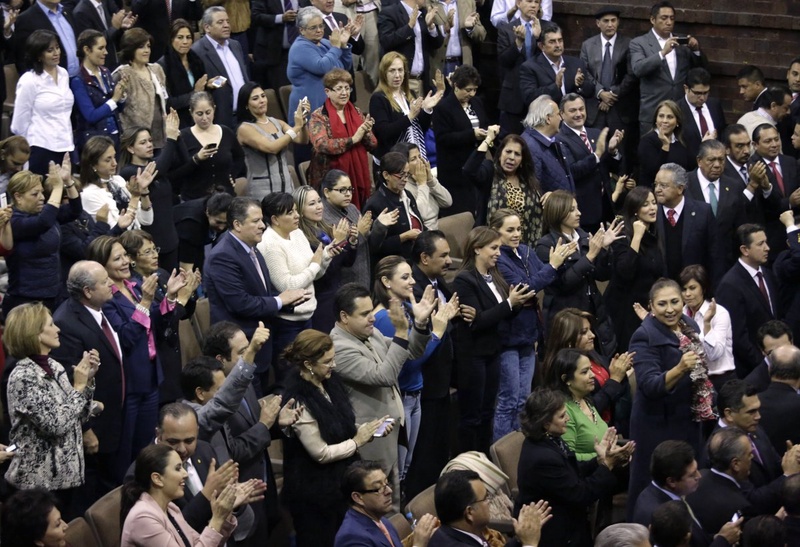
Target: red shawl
{"points": [[352, 161]]}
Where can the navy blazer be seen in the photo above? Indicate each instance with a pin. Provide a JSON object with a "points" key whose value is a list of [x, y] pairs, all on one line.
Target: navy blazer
{"points": [[691, 131], [537, 78], [359, 529], [268, 46], [509, 59], [30, 20], [223, 97], [651, 499], [787, 272], [550, 161]]}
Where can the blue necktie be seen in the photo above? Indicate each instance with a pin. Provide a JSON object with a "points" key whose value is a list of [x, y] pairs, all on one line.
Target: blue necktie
{"points": [[528, 40]]}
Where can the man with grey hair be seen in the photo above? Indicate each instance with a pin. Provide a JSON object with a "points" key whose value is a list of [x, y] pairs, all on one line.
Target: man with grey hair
{"points": [[223, 57], [686, 227], [549, 162], [623, 535], [84, 327]]}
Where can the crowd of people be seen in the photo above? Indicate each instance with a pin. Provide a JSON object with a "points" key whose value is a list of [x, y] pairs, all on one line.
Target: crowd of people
{"points": [[625, 302]]}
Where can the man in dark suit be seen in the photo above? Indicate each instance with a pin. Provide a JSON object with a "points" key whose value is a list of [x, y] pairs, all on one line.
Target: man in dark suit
{"points": [[105, 17], [222, 56], [781, 399], [416, 40], [200, 223], [787, 272], [673, 525], [47, 15], [238, 283], [771, 336], [702, 114], [661, 62], [276, 30], [84, 327], [593, 157], [554, 73], [156, 16], [462, 506], [787, 125], [723, 193], [749, 293], [686, 227], [791, 503], [751, 83]]}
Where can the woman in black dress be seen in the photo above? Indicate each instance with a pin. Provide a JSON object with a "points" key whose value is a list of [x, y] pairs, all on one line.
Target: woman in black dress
{"points": [[663, 144]]}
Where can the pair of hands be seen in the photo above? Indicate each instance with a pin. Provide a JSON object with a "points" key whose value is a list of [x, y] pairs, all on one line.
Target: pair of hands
{"points": [[421, 310], [560, 253], [609, 453], [86, 369], [421, 172], [430, 100], [141, 181], [225, 494], [672, 43], [366, 431], [271, 410], [604, 237], [340, 36], [430, 15]]}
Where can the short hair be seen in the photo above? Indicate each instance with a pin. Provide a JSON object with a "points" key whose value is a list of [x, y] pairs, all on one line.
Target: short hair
{"points": [[198, 96], [556, 209], [731, 394], [133, 39], [426, 243], [565, 363], [152, 459], [679, 176], [22, 182], [306, 14], [623, 534], [79, 278], [670, 460], [663, 283], [724, 446], [708, 146], [386, 267], [774, 328], [237, 210], [745, 233], [549, 28], [26, 517], [698, 75], [464, 76], [100, 248], [309, 345], [133, 241], [218, 203], [276, 204], [731, 130], [177, 26], [763, 530], [176, 411], [87, 38], [695, 272], [670, 523], [208, 15], [37, 43], [217, 339], [791, 495], [94, 149], [345, 298], [24, 324], [751, 73], [393, 162], [334, 76], [568, 98], [540, 407], [453, 494], [331, 178], [354, 476], [199, 372], [656, 8], [773, 94], [785, 364], [539, 110]]}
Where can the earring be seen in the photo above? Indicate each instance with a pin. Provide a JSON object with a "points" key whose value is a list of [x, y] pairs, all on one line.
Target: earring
{"points": [[133, 264]]}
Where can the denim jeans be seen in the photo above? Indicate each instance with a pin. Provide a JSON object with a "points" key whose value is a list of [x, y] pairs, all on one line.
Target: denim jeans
{"points": [[516, 374], [413, 412]]}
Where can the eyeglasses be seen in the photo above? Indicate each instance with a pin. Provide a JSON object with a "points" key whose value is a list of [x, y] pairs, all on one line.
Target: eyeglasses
{"points": [[347, 190], [341, 89], [150, 251], [401, 176], [699, 93], [476, 502], [384, 488], [314, 28]]}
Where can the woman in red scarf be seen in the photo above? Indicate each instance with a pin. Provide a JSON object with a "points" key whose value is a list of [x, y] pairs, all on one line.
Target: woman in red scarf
{"points": [[341, 136]]}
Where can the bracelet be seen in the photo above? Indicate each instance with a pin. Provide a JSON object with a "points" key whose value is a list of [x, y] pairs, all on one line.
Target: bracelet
{"points": [[172, 300], [70, 186], [489, 143], [292, 133], [142, 309], [194, 159]]}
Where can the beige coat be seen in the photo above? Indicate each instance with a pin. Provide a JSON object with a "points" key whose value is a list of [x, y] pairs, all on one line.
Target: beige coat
{"points": [[478, 34], [142, 97]]}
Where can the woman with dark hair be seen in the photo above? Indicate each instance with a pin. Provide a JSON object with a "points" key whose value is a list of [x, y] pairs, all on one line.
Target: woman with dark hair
{"points": [[14, 154], [317, 231], [267, 153], [460, 123], [518, 336], [480, 284], [337, 191], [183, 69], [429, 194], [636, 263], [549, 470], [96, 96], [210, 155], [326, 440], [31, 519], [589, 261], [43, 103], [144, 256], [146, 101], [341, 136], [138, 319], [46, 409], [148, 514], [663, 144], [200, 222]]}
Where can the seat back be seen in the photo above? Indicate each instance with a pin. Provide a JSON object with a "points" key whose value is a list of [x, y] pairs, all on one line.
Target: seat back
{"points": [[505, 455], [456, 228], [12, 77], [274, 107], [103, 518], [80, 534], [362, 93], [302, 172], [284, 93], [422, 503], [402, 526]]}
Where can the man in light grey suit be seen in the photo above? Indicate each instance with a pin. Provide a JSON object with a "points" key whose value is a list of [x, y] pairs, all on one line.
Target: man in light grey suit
{"points": [[661, 61], [222, 57], [369, 364]]}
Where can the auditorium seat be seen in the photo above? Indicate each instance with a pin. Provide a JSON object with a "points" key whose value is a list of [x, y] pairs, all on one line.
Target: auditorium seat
{"points": [[456, 228], [505, 455], [103, 518], [274, 108], [79, 534]]}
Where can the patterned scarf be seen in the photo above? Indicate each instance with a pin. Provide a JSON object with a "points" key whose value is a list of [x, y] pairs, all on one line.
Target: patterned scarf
{"points": [[702, 389]]}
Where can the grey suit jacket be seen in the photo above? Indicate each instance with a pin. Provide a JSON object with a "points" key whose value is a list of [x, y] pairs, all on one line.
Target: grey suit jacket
{"points": [[655, 81], [223, 97], [624, 80], [371, 380]]}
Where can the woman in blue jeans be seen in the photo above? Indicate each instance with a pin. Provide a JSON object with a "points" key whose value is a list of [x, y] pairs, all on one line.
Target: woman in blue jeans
{"points": [[393, 279], [519, 264]]}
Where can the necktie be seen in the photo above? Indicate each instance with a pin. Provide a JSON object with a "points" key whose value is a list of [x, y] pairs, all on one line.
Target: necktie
{"points": [[712, 197], [585, 139], [257, 267], [528, 40], [102, 12], [385, 531], [763, 288], [671, 217], [607, 69], [703, 122], [778, 177], [111, 340], [689, 508], [169, 9], [331, 22], [439, 294], [291, 27], [745, 174], [756, 453]]}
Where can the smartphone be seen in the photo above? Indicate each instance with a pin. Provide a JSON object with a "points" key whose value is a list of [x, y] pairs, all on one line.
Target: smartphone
{"points": [[341, 245], [3, 200], [219, 81], [382, 429], [212, 146], [736, 516], [682, 40], [11, 448]]}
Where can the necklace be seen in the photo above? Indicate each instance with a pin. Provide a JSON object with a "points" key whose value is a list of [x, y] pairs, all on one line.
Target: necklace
{"points": [[590, 414]]}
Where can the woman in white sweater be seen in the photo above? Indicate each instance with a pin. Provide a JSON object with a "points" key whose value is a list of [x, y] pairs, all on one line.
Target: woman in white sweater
{"points": [[292, 264]]}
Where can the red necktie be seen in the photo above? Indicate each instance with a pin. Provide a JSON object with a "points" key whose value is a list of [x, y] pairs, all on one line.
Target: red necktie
{"points": [[671, 217], [111, 340], [763, 288], [585, 139], [703, 122], [778, 177]]}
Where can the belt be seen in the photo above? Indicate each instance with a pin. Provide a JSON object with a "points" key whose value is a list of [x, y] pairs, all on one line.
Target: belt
{"points": [[453, 59], [412, 77], [410, 393]]}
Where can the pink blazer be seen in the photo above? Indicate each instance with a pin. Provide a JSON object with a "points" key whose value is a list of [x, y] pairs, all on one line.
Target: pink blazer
{"points": [[147, 525]]}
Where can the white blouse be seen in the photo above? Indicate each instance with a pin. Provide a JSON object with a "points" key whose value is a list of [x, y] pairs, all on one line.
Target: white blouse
{"points": [[42, 111], [93, 197]]}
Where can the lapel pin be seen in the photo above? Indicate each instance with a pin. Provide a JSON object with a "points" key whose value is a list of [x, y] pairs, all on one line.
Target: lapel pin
{"points": [[727, 189], [692, 213]]}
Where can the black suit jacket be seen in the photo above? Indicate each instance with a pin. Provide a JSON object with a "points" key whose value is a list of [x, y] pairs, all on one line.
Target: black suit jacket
{"points": [[651, 499], [446, 536], [776, 231], [778, 402], [79, 333], [28, 21], [509, 59], [536, 78], [436, 371], [268, 47], [223, 97], [787, 272], [625, 84], [691, 131], [739, 294], [763, 470], [87, 17], [152, 17], [716, 500], [731, 212], [478, 338], [396, 35], [759, 376]]}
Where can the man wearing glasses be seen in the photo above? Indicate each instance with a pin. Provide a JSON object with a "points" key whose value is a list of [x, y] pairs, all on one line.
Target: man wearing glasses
{"points": [[702, 114]]}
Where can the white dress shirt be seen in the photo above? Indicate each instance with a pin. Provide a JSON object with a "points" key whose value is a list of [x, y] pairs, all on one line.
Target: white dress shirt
{"points": [[42, 111], [704, 186], [671, 57], [718, 343], [418, 63], [500, 9], [696, 115], [454, 43], [98, 317], [93, 197], [232, 67]]}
